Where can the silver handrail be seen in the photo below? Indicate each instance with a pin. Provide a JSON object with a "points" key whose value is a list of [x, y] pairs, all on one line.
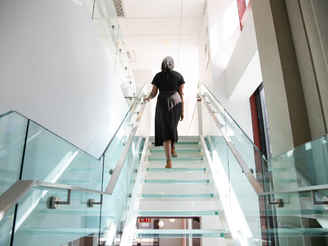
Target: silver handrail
{"points": [[21, 187], [256, 186]]}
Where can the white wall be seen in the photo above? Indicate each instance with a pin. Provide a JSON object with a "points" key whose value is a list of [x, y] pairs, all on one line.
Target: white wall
{"points": [[54, 70], [222, 21]]}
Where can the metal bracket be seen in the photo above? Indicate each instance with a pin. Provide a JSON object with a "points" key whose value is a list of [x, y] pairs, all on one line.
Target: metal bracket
{"points": [[91, 202], [111, 171], [251, 169], [278, 202], [53, 201], [315, 202]]}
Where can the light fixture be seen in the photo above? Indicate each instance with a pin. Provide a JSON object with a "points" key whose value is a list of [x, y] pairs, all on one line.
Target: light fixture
{"points": [[120, 43], [167, 42], [160, 223], [171, 220]]}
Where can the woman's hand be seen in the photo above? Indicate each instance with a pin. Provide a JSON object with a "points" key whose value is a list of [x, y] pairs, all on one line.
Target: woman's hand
{"points": [[182, 116], [146, 99]]}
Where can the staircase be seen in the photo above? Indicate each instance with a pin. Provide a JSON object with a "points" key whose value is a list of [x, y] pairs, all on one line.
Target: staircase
{"points": [[184, 191]]}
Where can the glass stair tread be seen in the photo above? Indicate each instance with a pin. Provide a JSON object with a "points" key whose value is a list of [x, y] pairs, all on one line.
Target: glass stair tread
{"points": [[177, 181], [181, 150], [180, 159], [88, 212], [206, 195], [297, 232], [181, 138], [178, 146], [176, 169], [180, 233], [59, 231], [176, 213]]}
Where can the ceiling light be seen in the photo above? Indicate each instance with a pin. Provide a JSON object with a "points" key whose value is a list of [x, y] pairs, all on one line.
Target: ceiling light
{"points": [[171, 220], [120, 42], [167, 42], [160, 223]]}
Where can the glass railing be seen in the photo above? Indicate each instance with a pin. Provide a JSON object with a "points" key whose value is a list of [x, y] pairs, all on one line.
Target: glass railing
{"points": [[12, 137], [31, 152], [303, 166], [292, 208], [103, 14]]}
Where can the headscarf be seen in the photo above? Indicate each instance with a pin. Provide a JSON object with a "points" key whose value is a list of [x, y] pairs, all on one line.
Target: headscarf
{"points": [[167, 64]]}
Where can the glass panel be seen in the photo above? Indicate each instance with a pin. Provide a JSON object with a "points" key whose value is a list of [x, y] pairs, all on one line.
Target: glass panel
{"points": [[303, 166], [299, 221], [6, 228], [116, 206], [237, 196], [245, 146], [51, 159], [36, 224], [12, 137]]}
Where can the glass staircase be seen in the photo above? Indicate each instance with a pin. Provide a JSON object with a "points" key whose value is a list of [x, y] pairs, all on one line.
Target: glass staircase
{"points": [[220, 191]]}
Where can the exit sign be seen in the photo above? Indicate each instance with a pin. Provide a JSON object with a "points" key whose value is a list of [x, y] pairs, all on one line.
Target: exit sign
{"points": [[145, 220]]}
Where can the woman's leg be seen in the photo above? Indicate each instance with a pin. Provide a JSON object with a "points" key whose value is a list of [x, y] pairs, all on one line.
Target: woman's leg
{"points": [[167, 149], [173, 153]]}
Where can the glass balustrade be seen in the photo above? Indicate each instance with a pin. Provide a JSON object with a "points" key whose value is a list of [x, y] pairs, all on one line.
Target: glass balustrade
{"points": [[298, 221], [49, 158], [12, 138], [237, 196]]}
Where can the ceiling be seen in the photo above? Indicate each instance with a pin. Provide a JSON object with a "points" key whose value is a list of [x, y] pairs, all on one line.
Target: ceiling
{"points": [[148, 23]]}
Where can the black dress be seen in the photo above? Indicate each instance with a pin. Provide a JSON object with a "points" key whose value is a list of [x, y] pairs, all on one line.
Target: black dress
{"points": [[169, 106]]}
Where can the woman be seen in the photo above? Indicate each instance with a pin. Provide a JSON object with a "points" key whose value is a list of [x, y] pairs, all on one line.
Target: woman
{"points": [[169, 108]]}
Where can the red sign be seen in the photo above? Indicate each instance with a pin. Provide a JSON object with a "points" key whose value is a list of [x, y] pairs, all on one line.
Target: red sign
{"points": [[145, 220]]}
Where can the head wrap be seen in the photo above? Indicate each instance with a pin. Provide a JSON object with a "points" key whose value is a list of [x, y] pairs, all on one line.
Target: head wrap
{"points": [[167, 64]]}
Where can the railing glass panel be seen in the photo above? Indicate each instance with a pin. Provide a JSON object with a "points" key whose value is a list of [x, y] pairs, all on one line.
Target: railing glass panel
{"points": [[36, 224], [12, 138], [51, 159], [303, 166], [245, 146], [237, 196]]}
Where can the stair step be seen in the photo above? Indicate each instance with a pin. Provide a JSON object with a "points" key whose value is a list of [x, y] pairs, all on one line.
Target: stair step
{"points": [[175, 213], [177, 175], [170, 188], [60, 231], [297, 232], [182, 205], [180, 150], [193, 145], [176, 169], [177, 164], [163, 195], [179, 233], [180, 159], [177, 181], [181, 139]]}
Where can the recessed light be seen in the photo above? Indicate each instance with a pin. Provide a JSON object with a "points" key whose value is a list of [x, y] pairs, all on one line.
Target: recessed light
{"points": [[167, 42]]}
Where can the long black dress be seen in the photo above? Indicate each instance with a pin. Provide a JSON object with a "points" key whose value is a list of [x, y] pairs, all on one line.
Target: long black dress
{"points": [[169, 106]]}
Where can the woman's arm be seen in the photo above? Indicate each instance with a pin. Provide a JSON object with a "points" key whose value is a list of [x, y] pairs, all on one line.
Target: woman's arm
{"points": [[181, 96], [152, 94]]}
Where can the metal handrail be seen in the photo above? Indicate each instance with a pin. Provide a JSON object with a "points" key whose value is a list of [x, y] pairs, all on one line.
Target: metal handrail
{"points": [[256, 186], [21, 187]]}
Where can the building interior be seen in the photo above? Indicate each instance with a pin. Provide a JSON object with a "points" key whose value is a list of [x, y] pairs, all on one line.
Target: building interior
{"points": [[78, 162]]}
